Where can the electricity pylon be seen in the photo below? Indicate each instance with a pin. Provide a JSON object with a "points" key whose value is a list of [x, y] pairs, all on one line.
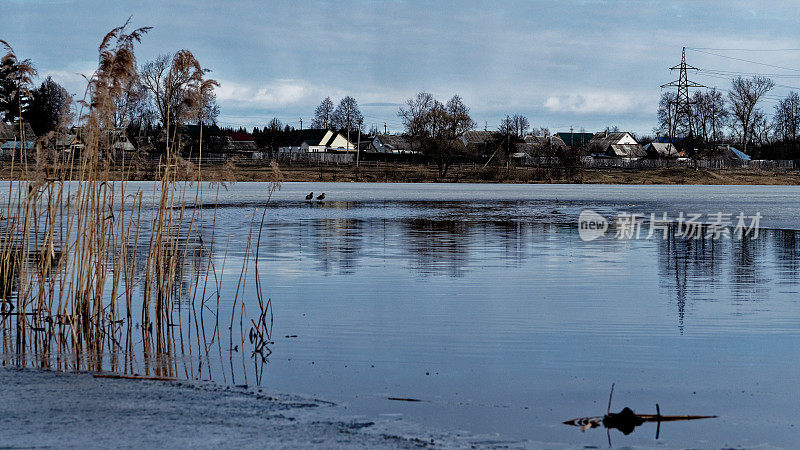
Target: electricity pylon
{"points": [[682, 122]]}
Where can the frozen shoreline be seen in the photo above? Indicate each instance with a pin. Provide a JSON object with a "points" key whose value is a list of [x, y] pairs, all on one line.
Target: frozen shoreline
{"points": [[52, 409]]}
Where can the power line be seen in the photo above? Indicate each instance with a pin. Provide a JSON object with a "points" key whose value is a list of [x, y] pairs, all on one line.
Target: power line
{"points": [[761, 74], [748, 61], [746, 49]]}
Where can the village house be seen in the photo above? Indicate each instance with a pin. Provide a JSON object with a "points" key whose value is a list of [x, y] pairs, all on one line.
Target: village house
{"points": [[722, 152], [575, 139], [616, 144], [317, 141], [543, 145], [11, 141], [479, 142], [365, 146], [663, 150], [241, 144], [391, 143]]}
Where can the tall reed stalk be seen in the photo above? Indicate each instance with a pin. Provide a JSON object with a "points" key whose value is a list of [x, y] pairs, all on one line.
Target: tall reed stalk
{"points": [[87, 262]]}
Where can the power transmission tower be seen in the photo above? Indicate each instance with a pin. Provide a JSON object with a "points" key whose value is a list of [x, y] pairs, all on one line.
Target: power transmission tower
{"points": [[682, 123]]}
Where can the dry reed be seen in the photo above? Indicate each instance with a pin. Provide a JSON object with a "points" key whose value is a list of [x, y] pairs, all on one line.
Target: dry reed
{"points": [[92, 273]]}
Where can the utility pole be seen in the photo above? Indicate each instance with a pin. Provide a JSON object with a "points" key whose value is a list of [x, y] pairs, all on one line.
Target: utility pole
{"points": [[683, 105], [301, 123], [358, 148], [384, 128], [571, 137]]}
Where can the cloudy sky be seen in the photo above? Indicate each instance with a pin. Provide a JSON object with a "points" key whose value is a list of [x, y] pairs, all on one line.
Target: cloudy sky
{"points": [[581, 63]]}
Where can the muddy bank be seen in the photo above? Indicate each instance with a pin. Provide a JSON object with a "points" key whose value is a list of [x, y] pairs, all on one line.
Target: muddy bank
{"points": [[418, 173], [404, 173], [50, 409]]}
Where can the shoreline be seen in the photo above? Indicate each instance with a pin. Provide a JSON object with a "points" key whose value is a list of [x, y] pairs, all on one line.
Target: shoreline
{"points": [[417, 173], [79, 410]]}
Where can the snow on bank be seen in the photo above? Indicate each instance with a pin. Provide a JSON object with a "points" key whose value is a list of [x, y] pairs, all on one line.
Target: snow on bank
{"points": [[51, 409]]}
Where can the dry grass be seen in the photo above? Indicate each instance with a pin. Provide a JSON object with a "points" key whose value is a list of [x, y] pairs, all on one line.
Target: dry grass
{"points": [[87, 262]]}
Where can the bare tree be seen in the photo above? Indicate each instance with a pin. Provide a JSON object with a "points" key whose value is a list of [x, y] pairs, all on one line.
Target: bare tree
{"points": [[178, 88], [717, 114], [709, 114], [347, 116], [507, 130], [435, 127], [458, 120], [515, 126], [762, 129], [133, 105], [744, 96], [787, 118], [666, 113], [323, 115], [521, 125], [415, 117]]}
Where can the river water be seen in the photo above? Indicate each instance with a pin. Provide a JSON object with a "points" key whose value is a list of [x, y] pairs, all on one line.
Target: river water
{"points": [[483, 302]]}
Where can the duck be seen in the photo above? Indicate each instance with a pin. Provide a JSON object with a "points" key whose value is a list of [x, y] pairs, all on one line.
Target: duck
{"points": [[321, 196], [310, 196]]}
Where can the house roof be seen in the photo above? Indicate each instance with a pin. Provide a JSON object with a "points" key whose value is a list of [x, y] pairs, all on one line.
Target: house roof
{"points": [[240, 146], [124, 145], [313, 136], [626, 151], [603, 139], [742, 155], [66, 140], [474, 137], [575, 139], [545, 140], [662, 149], [10, 131], [240, 136], [720, 152], [394, 142]]}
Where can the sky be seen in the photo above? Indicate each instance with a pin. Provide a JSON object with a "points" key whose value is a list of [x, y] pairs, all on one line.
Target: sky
{"points": [[585, 64]]}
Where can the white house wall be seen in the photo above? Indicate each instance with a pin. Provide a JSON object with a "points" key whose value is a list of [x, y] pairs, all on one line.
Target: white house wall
{"points": [[340, 142], [327, 137]]}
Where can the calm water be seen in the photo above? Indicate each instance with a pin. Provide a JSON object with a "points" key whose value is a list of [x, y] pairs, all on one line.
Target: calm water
{"points": [[482, 301]]}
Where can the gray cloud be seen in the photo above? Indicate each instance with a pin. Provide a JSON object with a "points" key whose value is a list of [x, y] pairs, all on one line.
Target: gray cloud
{"points": [[574, 63]]}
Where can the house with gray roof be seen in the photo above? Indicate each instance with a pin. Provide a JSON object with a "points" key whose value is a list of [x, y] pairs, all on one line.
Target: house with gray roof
{"points": [[391, 143], [543, 145], [478, 142], [616, 144], [10, 138], [662, 150]]}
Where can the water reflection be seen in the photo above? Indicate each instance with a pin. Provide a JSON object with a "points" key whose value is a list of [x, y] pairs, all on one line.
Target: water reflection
{"points": [[439, 245], [470, 243]]}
